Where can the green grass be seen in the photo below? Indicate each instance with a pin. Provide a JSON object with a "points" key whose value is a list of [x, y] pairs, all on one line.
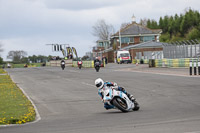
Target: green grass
{"points": [[15, 108], [2, 71]]}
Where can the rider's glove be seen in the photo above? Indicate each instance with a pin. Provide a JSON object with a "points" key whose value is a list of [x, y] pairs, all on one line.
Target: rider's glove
{"points": [[114, 84]]}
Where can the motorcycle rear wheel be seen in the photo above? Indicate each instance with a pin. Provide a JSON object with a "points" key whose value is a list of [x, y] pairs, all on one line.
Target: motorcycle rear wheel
{"points": [[120, 104]]}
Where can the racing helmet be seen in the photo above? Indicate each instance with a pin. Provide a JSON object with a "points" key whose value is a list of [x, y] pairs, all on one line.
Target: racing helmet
{"points": [[99, 83]]}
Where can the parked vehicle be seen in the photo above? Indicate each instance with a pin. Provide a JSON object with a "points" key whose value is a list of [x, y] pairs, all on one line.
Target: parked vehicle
{"points": [[123, 57], [119, 100]]}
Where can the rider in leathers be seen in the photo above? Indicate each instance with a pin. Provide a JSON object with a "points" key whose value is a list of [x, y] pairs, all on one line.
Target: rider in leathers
{"points": [[100, 84]]}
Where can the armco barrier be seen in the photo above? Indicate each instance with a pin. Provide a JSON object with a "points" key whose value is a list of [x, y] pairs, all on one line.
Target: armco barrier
{"points": [[145, 61], [183, 62], [57, 62], [88, 64]]}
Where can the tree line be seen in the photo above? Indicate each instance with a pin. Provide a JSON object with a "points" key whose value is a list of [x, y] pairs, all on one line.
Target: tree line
{"points": [[20, 56], [178, 27]]}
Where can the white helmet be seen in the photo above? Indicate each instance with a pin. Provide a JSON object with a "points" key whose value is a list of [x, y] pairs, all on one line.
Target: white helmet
{"points": [[99, 83]]}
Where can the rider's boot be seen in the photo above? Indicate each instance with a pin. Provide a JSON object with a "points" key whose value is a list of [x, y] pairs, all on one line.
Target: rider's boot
{"points": [[131, 97]]}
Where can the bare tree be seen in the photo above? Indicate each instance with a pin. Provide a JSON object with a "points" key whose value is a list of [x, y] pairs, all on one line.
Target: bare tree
{"points": [[102, 30], [16, 56], [143, 22], [124, 25]]}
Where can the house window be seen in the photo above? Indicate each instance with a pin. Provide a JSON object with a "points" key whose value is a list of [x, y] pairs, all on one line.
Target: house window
{"points": [[100, 44], [141, 39], [132, 39], [148, 38], [125, 39]]}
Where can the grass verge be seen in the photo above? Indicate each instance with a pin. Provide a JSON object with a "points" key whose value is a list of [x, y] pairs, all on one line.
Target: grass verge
{"points": [[2, 71], [15, 108]]}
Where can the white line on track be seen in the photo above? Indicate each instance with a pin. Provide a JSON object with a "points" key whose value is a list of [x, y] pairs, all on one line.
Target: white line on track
{"points": [[193, 132], [160, 73], [170, 121], [88, 84], [74, 71]]}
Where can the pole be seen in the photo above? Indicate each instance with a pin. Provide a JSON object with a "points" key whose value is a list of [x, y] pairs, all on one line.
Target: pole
{"points": [[190, 67], [195, 69], [199, 67], [120, 43]]}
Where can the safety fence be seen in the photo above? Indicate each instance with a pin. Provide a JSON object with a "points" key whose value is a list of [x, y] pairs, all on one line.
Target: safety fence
{"points": [[181, 49]]}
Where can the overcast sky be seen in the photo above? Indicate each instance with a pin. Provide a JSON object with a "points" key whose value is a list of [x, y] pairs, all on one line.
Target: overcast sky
{"points": [[31, 24]]}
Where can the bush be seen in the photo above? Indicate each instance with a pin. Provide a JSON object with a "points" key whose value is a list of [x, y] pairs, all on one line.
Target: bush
{"points": [[193, 34], [165, 37]]}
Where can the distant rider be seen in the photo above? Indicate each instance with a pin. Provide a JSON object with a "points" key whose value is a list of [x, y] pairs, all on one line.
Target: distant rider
{"points": [[96, 60], [100, 84], [62, 62]]}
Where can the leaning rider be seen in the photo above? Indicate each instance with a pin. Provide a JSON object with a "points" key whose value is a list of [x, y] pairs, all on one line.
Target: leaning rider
{"points": [[100, 84]]}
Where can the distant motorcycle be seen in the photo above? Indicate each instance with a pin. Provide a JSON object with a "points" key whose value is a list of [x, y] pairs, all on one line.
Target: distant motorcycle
{"points": [[63, 65], [80, 64], [97, 66], [119, 100]]}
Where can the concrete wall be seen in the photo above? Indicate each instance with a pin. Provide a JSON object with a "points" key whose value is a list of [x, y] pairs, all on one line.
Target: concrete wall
{"points": [[57, 63]]}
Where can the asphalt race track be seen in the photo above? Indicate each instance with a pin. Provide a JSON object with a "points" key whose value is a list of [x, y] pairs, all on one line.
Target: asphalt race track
{"points": [[67, 101]]}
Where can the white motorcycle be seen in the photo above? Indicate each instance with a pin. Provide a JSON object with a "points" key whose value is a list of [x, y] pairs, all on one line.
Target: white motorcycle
{"points": [[119, 100]]}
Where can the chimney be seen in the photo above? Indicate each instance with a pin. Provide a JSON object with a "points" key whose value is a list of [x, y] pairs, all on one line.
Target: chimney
{"points": [[133, 19]]}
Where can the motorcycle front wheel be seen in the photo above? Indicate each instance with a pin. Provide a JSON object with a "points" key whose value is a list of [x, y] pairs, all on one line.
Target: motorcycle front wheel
{"points": [[97, 69], [137, 106], [120, 104]]}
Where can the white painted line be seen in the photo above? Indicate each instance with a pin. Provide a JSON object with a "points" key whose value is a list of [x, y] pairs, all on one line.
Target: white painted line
{"points": [[193, 132], [74, 71], [88, 84], [159, 73], [169, 121]]}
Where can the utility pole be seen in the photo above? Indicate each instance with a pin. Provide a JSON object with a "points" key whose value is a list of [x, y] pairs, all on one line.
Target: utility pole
{"points": [[120, 43]]}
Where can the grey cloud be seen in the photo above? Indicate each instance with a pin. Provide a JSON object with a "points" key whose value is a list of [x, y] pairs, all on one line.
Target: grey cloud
{"points": [[82, 4]]}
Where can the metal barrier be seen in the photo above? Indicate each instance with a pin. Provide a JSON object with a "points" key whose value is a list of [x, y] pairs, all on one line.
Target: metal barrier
{"points": [[145, 61], [183, 62]]}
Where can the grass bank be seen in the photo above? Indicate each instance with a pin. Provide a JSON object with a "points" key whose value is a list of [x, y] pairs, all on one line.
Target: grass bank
{"points": [[15, 108]]}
